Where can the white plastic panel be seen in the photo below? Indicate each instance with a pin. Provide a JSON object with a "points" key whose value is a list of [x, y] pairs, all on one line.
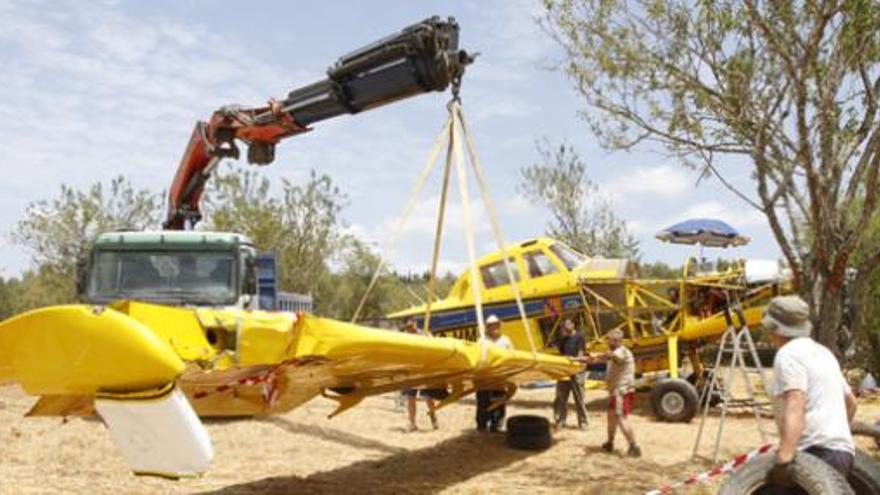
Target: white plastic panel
{"points": [[161, 436]]}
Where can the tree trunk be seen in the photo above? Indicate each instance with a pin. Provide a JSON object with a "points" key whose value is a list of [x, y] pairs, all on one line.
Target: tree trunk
{"points": [[827, 308]]}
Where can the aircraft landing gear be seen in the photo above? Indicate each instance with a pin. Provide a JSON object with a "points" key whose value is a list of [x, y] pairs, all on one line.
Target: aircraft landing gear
{"points": [[674, 400]]}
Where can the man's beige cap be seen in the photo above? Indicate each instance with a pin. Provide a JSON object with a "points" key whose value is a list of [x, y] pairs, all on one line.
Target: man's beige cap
{"points": [[788, 316]]}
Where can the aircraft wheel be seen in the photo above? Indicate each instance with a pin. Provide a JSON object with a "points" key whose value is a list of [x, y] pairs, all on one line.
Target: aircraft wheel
{"points": [[810, 473], [674, 400], [529, 432], [702, 381], [865, 475]]}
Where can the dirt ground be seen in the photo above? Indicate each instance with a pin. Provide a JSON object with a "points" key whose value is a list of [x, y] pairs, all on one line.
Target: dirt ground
{"points": [[367, 450]]}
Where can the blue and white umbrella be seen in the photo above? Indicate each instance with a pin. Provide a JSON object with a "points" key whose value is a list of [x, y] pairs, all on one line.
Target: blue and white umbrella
{"points": [[703, 232]]}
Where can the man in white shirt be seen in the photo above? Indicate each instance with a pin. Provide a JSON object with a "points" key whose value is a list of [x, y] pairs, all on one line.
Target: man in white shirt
{"points": [[814, 404], [495, 417]]}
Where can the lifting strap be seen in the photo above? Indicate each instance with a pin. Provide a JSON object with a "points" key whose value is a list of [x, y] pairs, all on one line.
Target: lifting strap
{"points": [[408, 209], [451, 133]]}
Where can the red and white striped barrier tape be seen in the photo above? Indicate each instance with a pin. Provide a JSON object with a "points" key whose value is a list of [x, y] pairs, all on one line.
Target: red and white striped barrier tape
{"points": [[707, 476]]}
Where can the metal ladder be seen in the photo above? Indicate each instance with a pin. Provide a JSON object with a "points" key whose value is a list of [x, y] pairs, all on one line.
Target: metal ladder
{"points": [[735, 340]]}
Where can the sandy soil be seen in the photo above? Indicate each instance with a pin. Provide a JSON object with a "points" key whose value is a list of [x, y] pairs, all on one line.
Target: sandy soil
{"points": [[366, 450]]}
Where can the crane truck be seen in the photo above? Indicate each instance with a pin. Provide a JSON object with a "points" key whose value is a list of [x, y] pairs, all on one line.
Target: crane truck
{"points": [[181, 266]]}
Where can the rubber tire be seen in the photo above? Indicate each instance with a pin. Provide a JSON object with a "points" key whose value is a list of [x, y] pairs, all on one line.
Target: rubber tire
{"points": [[810, 473], [528, 425], [865, 475], [529, 432], [678, 386]]}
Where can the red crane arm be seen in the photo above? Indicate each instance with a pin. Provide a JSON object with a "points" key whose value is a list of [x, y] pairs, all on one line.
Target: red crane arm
{"points": [[214, 140], [421, 58]]}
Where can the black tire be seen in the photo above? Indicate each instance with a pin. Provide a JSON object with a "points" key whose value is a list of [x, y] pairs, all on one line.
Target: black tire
{"points": [[528, 425], [529, 432], [810, 473], [865, 475], [674, 400]]}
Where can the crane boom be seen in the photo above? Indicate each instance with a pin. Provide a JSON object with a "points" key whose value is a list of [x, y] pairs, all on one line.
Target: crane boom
{"points": [[421, 58]]}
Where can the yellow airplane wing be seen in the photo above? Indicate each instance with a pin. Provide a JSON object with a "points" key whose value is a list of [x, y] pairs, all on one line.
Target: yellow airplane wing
{"points": [[149, 367]]}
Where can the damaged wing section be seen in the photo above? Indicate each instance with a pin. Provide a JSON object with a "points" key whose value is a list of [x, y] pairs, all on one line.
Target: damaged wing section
{"points": [[150, 371]]}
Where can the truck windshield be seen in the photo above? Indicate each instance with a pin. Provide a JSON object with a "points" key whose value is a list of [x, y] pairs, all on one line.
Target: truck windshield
{"points": [[166, 276]]}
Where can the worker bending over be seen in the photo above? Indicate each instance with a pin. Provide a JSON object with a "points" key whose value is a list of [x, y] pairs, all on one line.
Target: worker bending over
{"points": [[813, 403]]}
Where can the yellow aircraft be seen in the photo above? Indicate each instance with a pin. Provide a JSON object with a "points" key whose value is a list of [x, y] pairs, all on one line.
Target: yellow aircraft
{"points": [[664, 320]]}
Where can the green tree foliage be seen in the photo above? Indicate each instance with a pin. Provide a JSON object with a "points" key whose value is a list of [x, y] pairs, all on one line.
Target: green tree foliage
{"points": [[58, 233], [790, 88], [300, 223], [9, 297], [582, 218], [864, 306], [345, 287], [660, 271]]}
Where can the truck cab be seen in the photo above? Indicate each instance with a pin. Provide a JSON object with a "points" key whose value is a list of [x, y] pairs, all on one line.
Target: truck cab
{"points": [[176, 268]]}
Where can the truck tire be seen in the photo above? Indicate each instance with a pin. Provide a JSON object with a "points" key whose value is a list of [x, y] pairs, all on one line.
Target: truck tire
{"points": [[529, 432], [810, 473], [865, 475], [674, 400]]}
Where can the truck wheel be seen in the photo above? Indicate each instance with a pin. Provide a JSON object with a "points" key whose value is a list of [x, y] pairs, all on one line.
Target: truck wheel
{"points": [[865, 475], [529, 432], [810, 473], [674, 400]]}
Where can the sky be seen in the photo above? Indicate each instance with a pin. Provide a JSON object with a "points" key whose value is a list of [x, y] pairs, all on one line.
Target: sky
{"points": [[92, 90]]}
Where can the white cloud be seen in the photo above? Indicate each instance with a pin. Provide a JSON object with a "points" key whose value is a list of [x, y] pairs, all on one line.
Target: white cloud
{"points": [[640, 183]]}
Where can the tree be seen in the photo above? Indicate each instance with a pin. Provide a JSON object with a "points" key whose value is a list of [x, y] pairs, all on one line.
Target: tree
{"points": [[581, 217], [9, 297], [301, 224], [660, 271], [345, 287], [59, 232], [790, 88], [864, 307]]}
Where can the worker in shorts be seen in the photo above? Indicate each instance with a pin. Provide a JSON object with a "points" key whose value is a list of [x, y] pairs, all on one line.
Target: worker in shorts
{"points": [[813, 403], [620, 379], [411, 394]]}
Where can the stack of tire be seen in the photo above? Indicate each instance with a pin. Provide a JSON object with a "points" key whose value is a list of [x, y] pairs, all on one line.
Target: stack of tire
{"points": [[809, 473], [529, 432]]}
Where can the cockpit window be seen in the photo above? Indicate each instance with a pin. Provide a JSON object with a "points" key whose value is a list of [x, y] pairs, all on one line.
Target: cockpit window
{"points": [[539, 264], [495, 274], [569, 258]]}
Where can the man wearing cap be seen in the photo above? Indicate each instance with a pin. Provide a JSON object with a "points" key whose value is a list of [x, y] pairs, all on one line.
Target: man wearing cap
{"points": [[814, 404], [572, 344], [495, 417]]}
